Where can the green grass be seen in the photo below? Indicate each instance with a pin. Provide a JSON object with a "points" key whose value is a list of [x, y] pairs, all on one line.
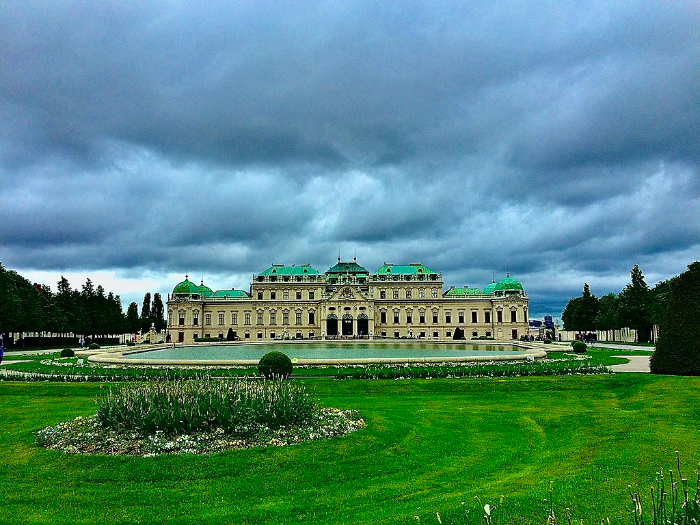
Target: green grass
{"points": [[428, 446]]}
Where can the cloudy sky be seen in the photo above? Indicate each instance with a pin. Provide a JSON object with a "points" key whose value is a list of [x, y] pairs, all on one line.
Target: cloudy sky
{"points": [[140, 141]]}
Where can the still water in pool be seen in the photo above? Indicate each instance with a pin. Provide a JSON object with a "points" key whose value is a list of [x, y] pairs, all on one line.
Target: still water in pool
{"points": [[325, 350]]}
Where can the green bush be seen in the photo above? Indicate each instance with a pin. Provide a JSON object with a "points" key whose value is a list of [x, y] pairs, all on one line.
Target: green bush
{"points": [[177, 406], [93, 346], [548, 341], [130, 343], [67, 352], [207, 340], [275, 365], [579, 347], [678, 348]]}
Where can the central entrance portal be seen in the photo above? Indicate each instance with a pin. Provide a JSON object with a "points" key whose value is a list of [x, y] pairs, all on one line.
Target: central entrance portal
{"points": [[362, 325], [332, 325], [347, 324]]}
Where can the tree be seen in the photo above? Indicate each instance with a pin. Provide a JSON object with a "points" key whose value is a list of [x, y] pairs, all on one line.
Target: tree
{"points": [[678, 348], [662, 295], [607, 318], [580, 313], [133, 324], [587, 310], [635, 308], [146, 312], [158, 312]]}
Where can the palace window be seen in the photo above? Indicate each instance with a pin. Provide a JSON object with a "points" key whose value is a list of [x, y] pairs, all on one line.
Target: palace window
{"points": [[499, 316], [396, 294], [260, 296], [195, 318], [382, 294], [298, 318], [285, 318], [433, 293], [221, 318], [311, 296], [247, 318], [298, 296], [207, 319], [273, 295], [382, 317], [437, 334], [273, 318], [475, 317], [487, 317], [260, 318], [181, 319], [422, 318], [421, 293], [435, 318], [396, 317], [513, 316], [461, 317], [234, 318], [475, 334], [285, 295], [260, 334], [409, 317], [448, 317], [312, 318], [408, 294], [247, 335]]}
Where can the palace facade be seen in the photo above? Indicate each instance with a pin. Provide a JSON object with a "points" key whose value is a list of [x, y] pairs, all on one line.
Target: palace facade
{"points": [[348, 302]]}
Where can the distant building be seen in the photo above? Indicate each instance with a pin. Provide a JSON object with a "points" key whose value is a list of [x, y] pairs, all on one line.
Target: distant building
{"points": [[347, 301]]}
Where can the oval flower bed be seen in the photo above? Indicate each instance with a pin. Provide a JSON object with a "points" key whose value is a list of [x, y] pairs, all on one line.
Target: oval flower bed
{"points": [[198, 417]]}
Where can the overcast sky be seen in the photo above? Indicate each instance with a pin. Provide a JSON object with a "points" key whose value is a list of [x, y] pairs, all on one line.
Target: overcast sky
{"points": [[140, 141]]}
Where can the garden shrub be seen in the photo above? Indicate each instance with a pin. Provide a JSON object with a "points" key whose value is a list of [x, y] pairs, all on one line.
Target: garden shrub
{"points": [[548, 341], [67, 352], [130, 343], [93, 346], [678, 348], [177, 406], [579, 347], [275, 365]]}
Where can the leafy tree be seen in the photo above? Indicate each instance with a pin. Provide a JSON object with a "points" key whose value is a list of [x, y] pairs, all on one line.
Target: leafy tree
{"points": [[146, 312], [580, 313], [569, 315], [608, 318], [636, 302], [662, 295], [133, 324], [158, 312], [678, 348], [9, 302]]}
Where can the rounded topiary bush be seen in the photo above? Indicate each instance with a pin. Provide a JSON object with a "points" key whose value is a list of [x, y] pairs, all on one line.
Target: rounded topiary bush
{"points": [[130, 343], [275, 365], [579, 347], [93, 346], [548, 341], [67, 352]]}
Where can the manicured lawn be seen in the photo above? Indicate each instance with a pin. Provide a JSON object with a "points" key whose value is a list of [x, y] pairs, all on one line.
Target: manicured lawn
{"points": [[428, 446]]}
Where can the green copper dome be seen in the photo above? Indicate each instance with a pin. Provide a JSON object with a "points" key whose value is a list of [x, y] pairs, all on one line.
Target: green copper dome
{"points": [[508, 284], [490, 288], [204, 290], [186, 287]]}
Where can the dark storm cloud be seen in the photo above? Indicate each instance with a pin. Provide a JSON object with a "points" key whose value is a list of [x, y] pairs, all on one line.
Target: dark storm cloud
{"points": [[558, 142]]}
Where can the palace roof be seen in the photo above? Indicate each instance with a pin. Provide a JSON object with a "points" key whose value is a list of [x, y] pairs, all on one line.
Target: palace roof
{"points": [[399, 269], [281, 269]]}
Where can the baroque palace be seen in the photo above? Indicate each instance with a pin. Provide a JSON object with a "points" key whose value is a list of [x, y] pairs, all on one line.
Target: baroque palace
{"points": [[348, 302]]}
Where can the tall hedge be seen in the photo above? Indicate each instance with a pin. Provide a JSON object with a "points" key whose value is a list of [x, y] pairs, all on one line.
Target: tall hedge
{"points": [[678, 348]]}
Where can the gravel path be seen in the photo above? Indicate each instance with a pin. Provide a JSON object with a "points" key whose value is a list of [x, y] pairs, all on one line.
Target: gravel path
{"points": [[637, 363]]}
